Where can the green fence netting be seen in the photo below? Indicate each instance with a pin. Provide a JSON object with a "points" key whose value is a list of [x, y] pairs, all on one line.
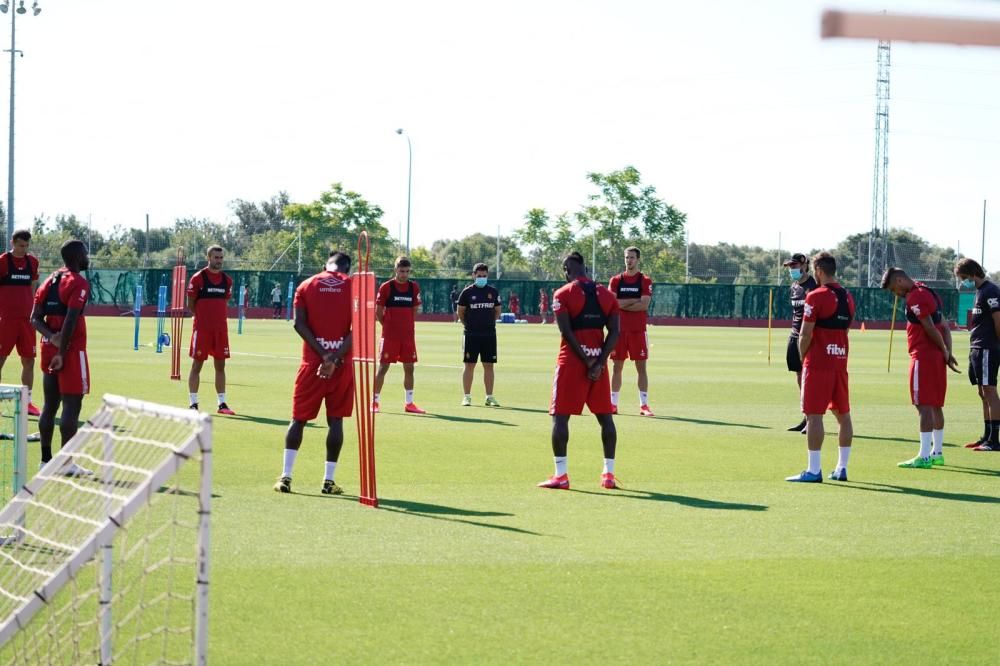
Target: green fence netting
{"points": [[687, 301]]}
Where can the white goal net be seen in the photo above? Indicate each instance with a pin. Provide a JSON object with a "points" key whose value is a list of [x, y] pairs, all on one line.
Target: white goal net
{"points": [[109, 556], [13, 439]]}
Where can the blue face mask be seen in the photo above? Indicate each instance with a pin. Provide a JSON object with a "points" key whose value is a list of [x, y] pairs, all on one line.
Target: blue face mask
{"points": [[796, 273], [480, 282], [968, 284]]}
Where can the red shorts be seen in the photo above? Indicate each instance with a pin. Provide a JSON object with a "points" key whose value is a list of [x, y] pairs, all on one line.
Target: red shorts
{"points": [[823, 390], [311, 391], [204, 345], [393, 350], [928, 380], [633, 346], [572, 389], [20, 334], [74, 376]]}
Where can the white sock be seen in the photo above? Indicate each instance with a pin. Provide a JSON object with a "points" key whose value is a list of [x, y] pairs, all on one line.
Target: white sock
{"points": [[331, 467], [222, 398], [289, 462], [814, 462], [29, 396], [614, 398], [468, 396], [375, 397], [193, 397], [643, 398], [561, 465], [409, 396], [925, 444], [609, 465], [937, 437], [843, 454]]}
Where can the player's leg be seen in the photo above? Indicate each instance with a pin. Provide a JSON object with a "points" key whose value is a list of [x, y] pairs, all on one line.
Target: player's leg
{"points": [[609, 442], [845, 437], [489, 377], [560, 444], [293, 441], [488, 356], [468, 373], [817, 391], [307, 396], [194, 380], [992, 401], [47, 420], [643, 383], [409, 405], [220, 385], [937, 436], [69, 423], [794, 364], [334, 443]]}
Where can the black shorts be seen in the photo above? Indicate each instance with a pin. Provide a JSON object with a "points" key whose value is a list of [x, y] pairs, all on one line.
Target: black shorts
{"points": [[792, 359], [983, 365], [479, 347]]}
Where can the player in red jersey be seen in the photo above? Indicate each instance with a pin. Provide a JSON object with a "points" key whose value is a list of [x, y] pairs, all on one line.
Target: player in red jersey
{"points": [[58, 315], [396, 306], [208, 293], [326, 374], [634, 291], [823, 347], [583, 310], [18, 279], [929, 342], [543, 305]]}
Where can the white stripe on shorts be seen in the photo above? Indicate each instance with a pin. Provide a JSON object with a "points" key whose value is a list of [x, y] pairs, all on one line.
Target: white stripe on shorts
{"points": [[916, 382], [985, 380], [802, 391], [83, 371]]}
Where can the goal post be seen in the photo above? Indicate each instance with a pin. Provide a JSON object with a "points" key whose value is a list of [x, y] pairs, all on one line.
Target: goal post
{"points": [[13, 441], [112, 562]]}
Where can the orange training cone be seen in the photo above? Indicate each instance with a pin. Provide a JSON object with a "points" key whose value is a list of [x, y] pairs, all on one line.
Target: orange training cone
{"points": [[862, 327]]}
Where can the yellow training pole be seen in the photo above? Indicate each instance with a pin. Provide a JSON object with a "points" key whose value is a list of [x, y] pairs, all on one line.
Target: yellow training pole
{"points": [[892, 329], [770, 316]]}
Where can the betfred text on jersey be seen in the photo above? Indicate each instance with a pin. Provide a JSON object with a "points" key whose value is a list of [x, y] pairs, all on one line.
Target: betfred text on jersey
{"points": [[836, 350], [481, 306]]}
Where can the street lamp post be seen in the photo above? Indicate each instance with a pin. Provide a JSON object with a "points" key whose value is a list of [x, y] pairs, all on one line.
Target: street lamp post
{"points": [[409, 187], [35, 10]]}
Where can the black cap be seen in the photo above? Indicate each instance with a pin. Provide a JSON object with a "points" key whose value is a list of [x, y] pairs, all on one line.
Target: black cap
{"points": [[797, 258]]}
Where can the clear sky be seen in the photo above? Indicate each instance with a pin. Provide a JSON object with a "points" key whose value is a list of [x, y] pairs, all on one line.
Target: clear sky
{"points": [[736, 111]]}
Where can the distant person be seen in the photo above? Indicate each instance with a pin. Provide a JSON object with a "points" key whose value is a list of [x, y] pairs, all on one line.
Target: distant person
{"points": [[276, 301], [478, 310], [514, 303], [823, 347], [929, 342], [984, 349], [396, 307], [583, 311], [634, 292], [18, 278], [57, 314], [543, 305], [453, 300], [326, 374], [802, 284], [208, 294]]}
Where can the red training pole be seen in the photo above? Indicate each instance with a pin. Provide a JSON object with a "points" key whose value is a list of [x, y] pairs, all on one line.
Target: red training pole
{"points": [[363, 351]]}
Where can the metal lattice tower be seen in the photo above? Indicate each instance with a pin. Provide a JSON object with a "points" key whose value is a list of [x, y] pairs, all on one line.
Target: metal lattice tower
{"points": [[878, 239]]}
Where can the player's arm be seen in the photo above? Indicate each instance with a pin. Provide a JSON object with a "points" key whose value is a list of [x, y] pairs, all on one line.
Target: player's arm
{"points": [[38, 322], [562, 319], [496, 311], [805, 338], [379, 313], [62, 338], [949, 356], [996, 323], [460, 311], [609, 345], [640, 304], [301, 326]]}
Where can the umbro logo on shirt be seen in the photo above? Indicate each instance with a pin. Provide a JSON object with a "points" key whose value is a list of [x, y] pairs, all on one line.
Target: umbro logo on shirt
{"points": [[331, 281]]}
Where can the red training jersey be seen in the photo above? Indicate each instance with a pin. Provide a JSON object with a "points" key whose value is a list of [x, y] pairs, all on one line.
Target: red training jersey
{"points": [[16, 278], [571, 299], [637, 286], [399, 300], [211, 292], [326, 300], [829, 347], [74, 292], [920, 304]]}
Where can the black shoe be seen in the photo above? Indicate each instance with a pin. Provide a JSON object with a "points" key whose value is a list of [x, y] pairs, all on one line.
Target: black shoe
{"points": [[798, 428], [194, 406]]}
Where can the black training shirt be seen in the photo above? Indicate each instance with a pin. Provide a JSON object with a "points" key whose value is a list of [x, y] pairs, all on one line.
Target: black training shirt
{"points": [[983, 334], [798, 295], [480, 312]]}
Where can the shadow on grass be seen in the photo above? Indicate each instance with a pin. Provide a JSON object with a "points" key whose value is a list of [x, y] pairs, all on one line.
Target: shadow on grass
{"points": [[443, 512], [167, 490], [683, 500], [904, 440], [466, 419], [969, 470], [655, 418], [266, 421], [919, 492]]}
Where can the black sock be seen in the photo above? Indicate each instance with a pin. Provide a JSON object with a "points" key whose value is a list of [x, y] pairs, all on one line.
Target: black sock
{"points": [[986, 431], [994, 432]]}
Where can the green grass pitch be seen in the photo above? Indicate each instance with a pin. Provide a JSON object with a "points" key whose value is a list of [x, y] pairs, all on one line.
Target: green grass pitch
{"points": [[708, 557]]}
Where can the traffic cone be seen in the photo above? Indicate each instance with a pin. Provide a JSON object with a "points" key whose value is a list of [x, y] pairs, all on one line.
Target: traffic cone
{"points": [[862, 327]]}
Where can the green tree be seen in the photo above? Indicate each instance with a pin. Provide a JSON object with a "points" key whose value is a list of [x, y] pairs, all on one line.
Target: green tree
{"points": [[547, 242], [457, 257], [334, 221]]}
